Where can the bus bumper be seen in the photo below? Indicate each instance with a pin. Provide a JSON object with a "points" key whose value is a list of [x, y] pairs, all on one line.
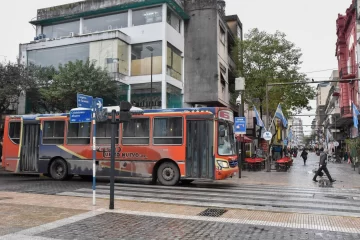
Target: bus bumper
{"points": [[226, 173]]}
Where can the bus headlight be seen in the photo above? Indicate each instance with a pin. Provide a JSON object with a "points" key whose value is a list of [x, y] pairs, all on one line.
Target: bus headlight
{"points": [[223, 164]]}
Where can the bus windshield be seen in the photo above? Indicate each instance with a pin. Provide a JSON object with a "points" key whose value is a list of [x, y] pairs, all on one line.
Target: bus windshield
{"points": [[226, 139]]}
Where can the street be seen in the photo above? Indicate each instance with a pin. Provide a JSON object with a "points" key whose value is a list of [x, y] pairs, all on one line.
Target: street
{"points": [[260, 205]]}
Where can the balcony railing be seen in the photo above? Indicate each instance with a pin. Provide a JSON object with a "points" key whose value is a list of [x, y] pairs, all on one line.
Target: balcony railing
{"points": [[345, 110]]}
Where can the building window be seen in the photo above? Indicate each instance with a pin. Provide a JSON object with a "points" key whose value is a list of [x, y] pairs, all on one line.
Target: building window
{"points": [[59, 55], [174, 62], [147, 16], [141, 58], [222, 35], [14, 131], [173, 20], [136, 132], [78, 133], [168, 131], [174, 96], [105, 23], [143, 97], [53, 132], [239, 32], [61, 30], [103, 133]]}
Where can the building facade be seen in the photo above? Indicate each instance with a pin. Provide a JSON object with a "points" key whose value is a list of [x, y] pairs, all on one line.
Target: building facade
{"points": [[346, 53], [137, 41]]}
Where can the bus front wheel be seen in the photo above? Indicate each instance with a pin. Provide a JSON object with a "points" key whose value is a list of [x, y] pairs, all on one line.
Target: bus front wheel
{"points": [[59, 170], [168, 174]]}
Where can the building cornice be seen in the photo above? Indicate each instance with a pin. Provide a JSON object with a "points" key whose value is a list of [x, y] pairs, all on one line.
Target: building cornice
{"points": [[113, 9]]}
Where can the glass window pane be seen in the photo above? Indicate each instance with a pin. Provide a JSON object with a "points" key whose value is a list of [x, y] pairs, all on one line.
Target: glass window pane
{"points": [[147, 16], [174, 63], [59, 55], [59, 129], [104, 23], [14, 131], [174, 96], [168, 127], [48, 129], [141, 95], [173, 20], [61, 30], [141, 58], [136, 128]]}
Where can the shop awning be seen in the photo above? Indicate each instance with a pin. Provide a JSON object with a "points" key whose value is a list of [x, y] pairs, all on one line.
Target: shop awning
{"points": [[243, 138]]}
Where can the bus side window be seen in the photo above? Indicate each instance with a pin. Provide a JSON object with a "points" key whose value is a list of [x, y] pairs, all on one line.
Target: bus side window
{"points": [[103, 133], [14, 131], [53, 132], [78, 133], [136, 132], [168, 131]]}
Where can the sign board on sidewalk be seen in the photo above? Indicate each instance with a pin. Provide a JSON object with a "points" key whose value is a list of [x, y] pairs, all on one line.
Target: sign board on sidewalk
{"points": [[98, 104], [84, 101], [80, 115], [240, 125], [336, 144], [267, 136]]}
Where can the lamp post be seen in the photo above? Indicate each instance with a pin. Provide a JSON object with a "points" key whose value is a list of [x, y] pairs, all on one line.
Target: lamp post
{"points": [[151, 49]]}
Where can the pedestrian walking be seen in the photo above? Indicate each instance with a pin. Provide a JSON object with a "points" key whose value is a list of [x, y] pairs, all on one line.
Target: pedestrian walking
{"points": [[304, 155], [323, 166]]}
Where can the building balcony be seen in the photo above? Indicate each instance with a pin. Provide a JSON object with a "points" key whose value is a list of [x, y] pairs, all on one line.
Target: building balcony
{"points": [[333, 95], [345, 111]]}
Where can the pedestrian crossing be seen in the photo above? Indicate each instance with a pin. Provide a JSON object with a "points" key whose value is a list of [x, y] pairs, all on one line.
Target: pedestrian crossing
{"points": [[341, 202]]}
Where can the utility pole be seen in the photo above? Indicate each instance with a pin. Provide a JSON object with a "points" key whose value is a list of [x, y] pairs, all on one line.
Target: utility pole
{"points": [[240, 86]]}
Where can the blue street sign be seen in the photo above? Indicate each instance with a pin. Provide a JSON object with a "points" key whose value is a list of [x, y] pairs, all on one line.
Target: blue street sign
{"points": [[98, 104], [285, 142], [80, 116], [84, 101], [240, 125]]}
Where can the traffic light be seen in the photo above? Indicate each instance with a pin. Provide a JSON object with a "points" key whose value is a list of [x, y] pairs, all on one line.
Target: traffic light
{"points": [[125, 114]]}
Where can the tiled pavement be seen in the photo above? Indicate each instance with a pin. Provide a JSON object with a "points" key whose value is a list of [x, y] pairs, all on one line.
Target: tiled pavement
{"points": [[64, 217]]}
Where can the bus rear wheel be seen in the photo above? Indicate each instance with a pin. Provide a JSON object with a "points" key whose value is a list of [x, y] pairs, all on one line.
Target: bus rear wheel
{"points": [[168, 174], [59, 170]]}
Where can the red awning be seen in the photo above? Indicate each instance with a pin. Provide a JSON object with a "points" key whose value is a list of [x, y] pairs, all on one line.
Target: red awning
{"points": [[243, 138]]}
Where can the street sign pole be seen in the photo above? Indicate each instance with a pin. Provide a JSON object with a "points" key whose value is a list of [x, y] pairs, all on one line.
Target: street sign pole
{"points": [[94, 151], [112, 163]]}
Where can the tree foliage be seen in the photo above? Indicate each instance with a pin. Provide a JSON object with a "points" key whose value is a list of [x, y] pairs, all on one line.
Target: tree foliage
{"points": [[14, 79], [270, 58], [56, 90]]}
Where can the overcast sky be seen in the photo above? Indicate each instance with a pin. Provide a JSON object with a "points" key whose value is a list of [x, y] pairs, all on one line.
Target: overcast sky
{"points": [[310, 24]]}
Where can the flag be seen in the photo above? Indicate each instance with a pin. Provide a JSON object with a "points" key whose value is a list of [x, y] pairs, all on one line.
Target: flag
{"points": [[279, 114], [259, 122], [290, 135], [355, 115]]}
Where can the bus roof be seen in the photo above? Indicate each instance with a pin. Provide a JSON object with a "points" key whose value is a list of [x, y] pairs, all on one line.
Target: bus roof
{"points": [[170, 110]]}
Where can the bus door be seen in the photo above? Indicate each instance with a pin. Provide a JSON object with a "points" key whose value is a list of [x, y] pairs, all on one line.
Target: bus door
{"points": [[200, 160], [30, 146]]}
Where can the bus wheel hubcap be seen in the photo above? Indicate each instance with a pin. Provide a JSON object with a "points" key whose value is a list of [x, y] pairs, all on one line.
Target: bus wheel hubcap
{"points": [[168, 173], [59, 170]]}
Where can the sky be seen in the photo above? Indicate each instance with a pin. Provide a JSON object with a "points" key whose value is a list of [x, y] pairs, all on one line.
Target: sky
{"points": [[310, 24]]}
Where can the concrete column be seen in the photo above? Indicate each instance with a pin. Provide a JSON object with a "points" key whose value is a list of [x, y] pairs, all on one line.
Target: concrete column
{"points": [[129, 94], [164, 58], [130, 18], [81, 30]]}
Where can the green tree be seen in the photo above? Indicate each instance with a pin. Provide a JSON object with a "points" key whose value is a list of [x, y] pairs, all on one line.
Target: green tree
{"points": [[14, 79], [270, 58], [56, 91]]}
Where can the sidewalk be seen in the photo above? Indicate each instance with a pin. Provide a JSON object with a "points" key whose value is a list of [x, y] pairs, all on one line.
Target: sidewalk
{"points": [[62, 217], [301, 176]]}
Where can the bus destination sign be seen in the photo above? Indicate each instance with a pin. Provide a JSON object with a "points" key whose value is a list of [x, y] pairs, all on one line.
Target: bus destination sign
{"points": [[226, 115]]}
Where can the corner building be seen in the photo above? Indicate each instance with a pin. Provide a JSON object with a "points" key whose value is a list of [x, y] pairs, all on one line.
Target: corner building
{"points": [[121, 36]]}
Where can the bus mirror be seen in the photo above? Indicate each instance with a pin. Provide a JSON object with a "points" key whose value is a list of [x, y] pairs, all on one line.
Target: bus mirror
{"points": [[222, 132]]}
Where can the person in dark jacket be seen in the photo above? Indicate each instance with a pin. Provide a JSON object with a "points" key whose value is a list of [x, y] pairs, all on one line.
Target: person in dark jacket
{"points": [[304, 155], [322, 166]]}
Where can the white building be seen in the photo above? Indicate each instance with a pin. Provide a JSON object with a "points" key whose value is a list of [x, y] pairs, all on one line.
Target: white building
{"points": [[119, 37]]}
